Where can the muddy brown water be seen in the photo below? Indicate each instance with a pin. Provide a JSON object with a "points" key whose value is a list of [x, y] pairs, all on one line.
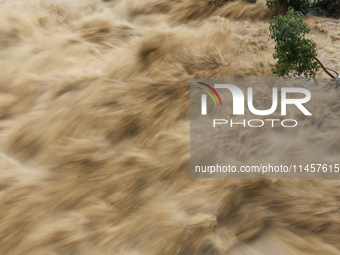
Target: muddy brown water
{"points": [[94, 132]]}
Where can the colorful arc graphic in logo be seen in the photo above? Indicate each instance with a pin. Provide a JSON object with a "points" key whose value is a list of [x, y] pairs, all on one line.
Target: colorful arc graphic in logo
{"points": [[212, 89]]}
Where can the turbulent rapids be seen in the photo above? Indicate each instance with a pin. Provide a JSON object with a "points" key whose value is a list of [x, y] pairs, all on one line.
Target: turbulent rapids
{"points": [[95, 132]]}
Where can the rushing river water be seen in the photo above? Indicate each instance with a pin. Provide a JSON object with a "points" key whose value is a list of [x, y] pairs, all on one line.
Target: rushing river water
{"points": [[94, 132]]}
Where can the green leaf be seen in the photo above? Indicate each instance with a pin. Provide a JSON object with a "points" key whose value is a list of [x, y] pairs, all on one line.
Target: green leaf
{"points": [[295, 53]]}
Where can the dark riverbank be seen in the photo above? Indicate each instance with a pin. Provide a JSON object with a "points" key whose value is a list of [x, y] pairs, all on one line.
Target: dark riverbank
{"points": [[327, 8]]}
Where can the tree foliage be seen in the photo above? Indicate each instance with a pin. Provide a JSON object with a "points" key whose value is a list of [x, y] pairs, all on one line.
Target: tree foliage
{"points": [[295, 53], [298, 5], [330, 8]]}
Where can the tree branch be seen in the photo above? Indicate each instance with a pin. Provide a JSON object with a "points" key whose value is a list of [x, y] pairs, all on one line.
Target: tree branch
{"points": [[325, 69]]}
